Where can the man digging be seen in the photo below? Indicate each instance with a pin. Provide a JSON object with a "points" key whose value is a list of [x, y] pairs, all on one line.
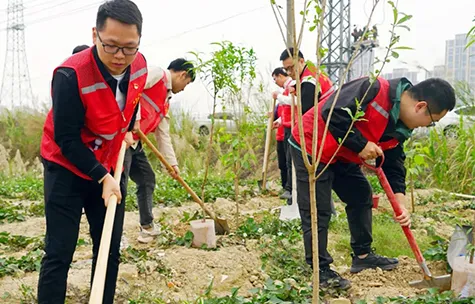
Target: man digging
{"points": [[393, 108], [154, 117]]}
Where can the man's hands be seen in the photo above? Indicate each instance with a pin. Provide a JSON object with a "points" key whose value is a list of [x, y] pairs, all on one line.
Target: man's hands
{"points": [[405, 218], [371, 151], [129, 139], [110, 186], [136, 126], [175, 173], [276, 124], [275, 94]]}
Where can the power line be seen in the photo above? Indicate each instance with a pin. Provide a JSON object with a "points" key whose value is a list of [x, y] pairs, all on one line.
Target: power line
{"points": [[193, 29], [42, 10], [206, 25], [62, 14], [16, 85]]}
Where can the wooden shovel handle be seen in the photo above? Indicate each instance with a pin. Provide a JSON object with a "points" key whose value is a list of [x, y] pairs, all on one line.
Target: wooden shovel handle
{"points": [[267, 146], [97, 290], [155, 151]]}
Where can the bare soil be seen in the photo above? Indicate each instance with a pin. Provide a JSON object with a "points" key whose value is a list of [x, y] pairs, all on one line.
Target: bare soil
{"points": [[179, 273]]}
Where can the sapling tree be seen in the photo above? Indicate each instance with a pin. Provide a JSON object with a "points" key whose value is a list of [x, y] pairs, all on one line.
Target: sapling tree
{"points": [[225, 73], [315, 11]]}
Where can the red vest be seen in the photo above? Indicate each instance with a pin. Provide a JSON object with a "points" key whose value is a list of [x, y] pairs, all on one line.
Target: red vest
{"points": [[376, 114], [153, 106], [308, 75], [279, 134], [105, 124]]}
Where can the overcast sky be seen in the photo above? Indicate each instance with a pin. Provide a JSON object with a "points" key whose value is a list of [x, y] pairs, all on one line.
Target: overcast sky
{"points": [[172, 28]]}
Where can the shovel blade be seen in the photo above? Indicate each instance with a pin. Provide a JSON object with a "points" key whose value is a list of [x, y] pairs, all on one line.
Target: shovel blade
{"points": [[260, 185], [221, 226], [289, 212], [442, 283]]}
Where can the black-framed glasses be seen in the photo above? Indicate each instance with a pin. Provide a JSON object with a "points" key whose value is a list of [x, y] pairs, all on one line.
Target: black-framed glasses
{"points": [[289, 69], [114, 49], [432, 124]]}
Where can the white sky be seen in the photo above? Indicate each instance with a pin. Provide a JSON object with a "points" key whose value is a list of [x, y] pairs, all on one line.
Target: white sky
{"points": [[172, 28]]}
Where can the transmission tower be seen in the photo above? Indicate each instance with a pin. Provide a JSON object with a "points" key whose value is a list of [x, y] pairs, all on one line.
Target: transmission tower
{"points": [[337, 38], [16, 85]]}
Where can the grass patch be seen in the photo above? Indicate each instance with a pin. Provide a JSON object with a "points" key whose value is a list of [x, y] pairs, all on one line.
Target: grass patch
{"points": [[171, 193], [388, 237], [281, 244], [25, 187]]}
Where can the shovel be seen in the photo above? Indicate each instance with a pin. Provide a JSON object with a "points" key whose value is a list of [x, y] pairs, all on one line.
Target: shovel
{"points": [[441, 282], [262, 184], [220, 225], [291, 212], [97, 290]]}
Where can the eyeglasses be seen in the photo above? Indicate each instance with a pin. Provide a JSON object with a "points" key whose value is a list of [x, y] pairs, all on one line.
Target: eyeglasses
{"points": [[114, 49], [432, 124], [289, 69]]}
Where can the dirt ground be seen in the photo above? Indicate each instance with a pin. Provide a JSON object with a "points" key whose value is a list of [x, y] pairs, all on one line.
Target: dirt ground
{"points": [[184, 273]]}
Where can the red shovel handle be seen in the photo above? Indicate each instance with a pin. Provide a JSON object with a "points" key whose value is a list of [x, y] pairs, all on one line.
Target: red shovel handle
{"points": [[371, 167], [398, 211]]}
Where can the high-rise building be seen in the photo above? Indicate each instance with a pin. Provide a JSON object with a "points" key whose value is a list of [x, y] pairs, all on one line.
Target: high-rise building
{"points": [[363, 64], [402, 72], [439, 71], [459, 61]]}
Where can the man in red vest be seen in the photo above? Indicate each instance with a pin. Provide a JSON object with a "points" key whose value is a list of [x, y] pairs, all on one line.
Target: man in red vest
{"points": [[154, 117], [393, 108], [95, 95], [282, 79], [308, 81]]}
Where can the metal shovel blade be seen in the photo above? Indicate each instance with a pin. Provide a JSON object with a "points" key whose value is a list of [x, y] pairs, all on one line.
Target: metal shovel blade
{"points": [[221, 226], [288, 213], [442, 283]]}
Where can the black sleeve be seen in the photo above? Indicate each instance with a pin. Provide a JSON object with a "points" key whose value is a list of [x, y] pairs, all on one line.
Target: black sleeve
{"points": [[134, 118], [394, 168], [68, 118], [340, 120], [308, 96]]}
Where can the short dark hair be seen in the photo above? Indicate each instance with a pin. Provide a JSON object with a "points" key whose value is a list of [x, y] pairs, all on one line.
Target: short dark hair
{"points": [[80, 48], [438, 94], [279, 71], [285, 54], [181, 64], [124, 11]]}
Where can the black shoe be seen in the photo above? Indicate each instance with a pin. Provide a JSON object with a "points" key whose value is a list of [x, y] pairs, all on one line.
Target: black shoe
{"points": [[373, 261], [286, 195], [289, 201], [331, 279]]}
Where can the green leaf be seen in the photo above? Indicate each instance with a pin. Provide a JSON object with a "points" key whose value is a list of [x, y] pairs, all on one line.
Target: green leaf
{"points": [[419, 160], [403, 48], [404, 19], [395, 54], [404, 26], [348, 111]]}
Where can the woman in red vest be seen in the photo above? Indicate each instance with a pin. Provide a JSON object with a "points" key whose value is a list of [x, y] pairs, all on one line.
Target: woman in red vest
{"points": [[95, 94], [392, 110]]}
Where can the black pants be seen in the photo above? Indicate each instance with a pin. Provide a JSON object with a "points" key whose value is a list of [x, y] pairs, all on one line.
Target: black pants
{"points": [[288, 156], [352, 188], [137, 166], [282, 159], [65, 196]]}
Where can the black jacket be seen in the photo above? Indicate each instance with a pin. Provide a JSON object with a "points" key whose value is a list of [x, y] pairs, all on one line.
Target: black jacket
{"points": [[68, 117]]}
